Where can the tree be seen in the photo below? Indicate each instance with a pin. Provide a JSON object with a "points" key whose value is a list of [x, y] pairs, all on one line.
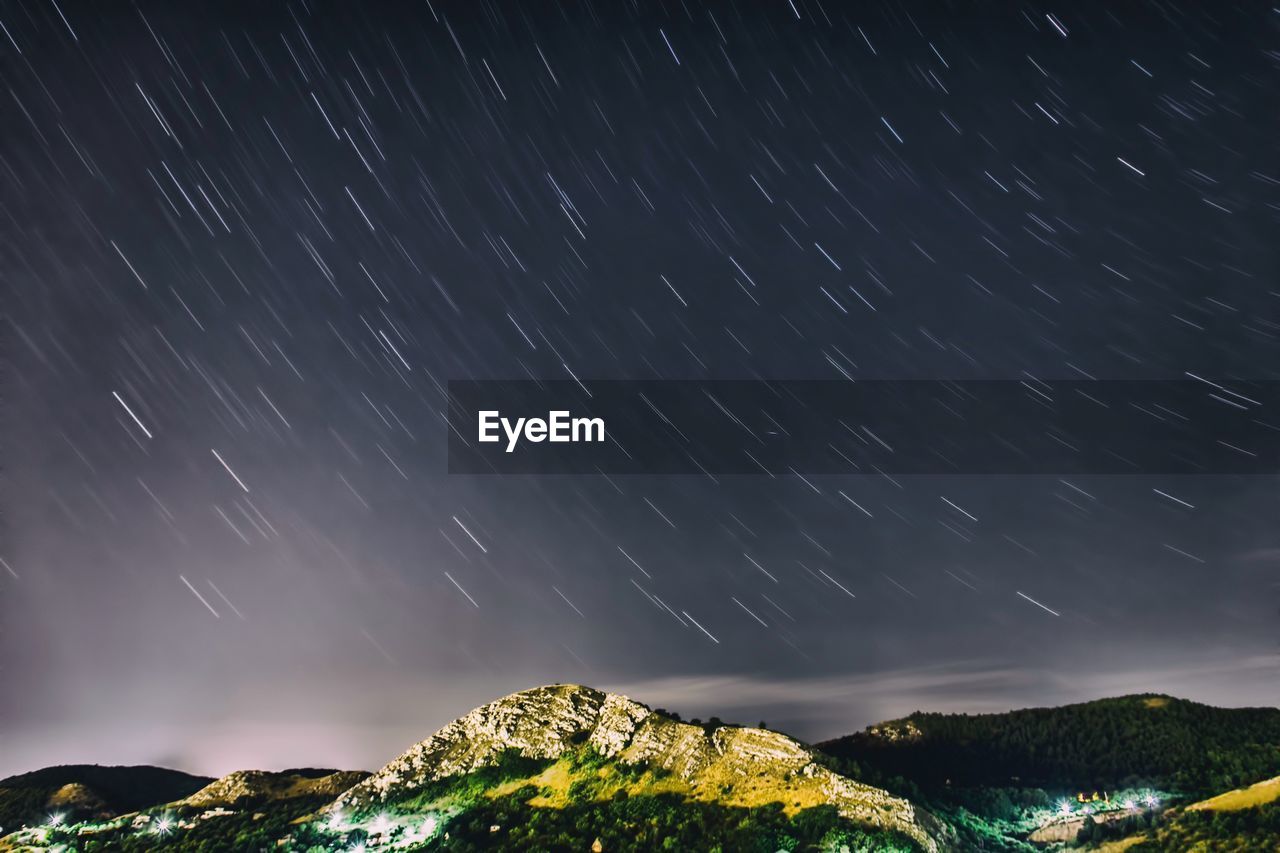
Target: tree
{"points": [[1088, 831]]}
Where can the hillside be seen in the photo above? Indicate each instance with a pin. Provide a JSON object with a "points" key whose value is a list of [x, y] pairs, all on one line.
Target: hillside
{"points": [[1238, 821], [82, 791], [1128, 741], [254, 787], [577, 747], [1257, 794]]}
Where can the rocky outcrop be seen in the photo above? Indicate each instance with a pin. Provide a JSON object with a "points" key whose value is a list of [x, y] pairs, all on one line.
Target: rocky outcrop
{"points": [[897, 730], [735, 766], [260, 785]]}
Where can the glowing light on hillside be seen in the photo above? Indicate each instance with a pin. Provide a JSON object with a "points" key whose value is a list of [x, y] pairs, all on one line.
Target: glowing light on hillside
{"points": [[1065, 808], [56, 819], [1130, 804], [1152, 800], [336, 821], [381, 824], [163, 826], [424, 831]]}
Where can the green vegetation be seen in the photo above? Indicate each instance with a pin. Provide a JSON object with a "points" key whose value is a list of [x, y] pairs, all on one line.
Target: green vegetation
{"points": [[20, 806], [1132, 741], [993, 819], [1253, 830], [581, 797], [188, 832], [568, 803], [509, 765], [665, 822], [1243, 798]]}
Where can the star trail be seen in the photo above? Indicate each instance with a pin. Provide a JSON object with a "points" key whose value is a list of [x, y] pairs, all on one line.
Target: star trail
{"points": [[245, 248]]}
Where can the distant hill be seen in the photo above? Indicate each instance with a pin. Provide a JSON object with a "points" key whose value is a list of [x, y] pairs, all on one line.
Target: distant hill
{"points": [[80, 791], [255, 787], [1151, 739]]}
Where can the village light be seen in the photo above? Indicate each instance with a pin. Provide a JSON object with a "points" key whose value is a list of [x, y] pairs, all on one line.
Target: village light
{"points": [[423, 832]]}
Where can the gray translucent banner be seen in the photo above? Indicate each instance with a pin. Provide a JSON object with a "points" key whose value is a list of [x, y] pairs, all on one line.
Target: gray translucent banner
{"points": [[1189, 426]]}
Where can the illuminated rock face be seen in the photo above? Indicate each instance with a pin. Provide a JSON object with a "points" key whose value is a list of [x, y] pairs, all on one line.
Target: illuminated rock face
{"points": [[729, 765]]}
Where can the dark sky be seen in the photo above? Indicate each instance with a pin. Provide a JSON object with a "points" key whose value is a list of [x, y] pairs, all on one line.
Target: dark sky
{"points": [[244, 246]]}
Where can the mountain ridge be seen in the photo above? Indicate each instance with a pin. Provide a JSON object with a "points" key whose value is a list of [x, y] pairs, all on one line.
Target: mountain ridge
{"points": [[566, 766]]}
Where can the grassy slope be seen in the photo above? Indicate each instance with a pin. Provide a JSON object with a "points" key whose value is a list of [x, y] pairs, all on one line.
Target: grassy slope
{"points": [[567, 803], [1255, 795], [657, 822], [584, 776], [1212, 831]]}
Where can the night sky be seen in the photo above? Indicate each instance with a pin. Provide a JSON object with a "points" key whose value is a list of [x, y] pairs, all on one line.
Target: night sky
{"points": [[245, 246]]}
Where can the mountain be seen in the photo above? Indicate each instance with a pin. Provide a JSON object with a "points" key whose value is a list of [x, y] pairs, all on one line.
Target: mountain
{"points": [[81, 791], [574, 744], [1130, 740]]}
